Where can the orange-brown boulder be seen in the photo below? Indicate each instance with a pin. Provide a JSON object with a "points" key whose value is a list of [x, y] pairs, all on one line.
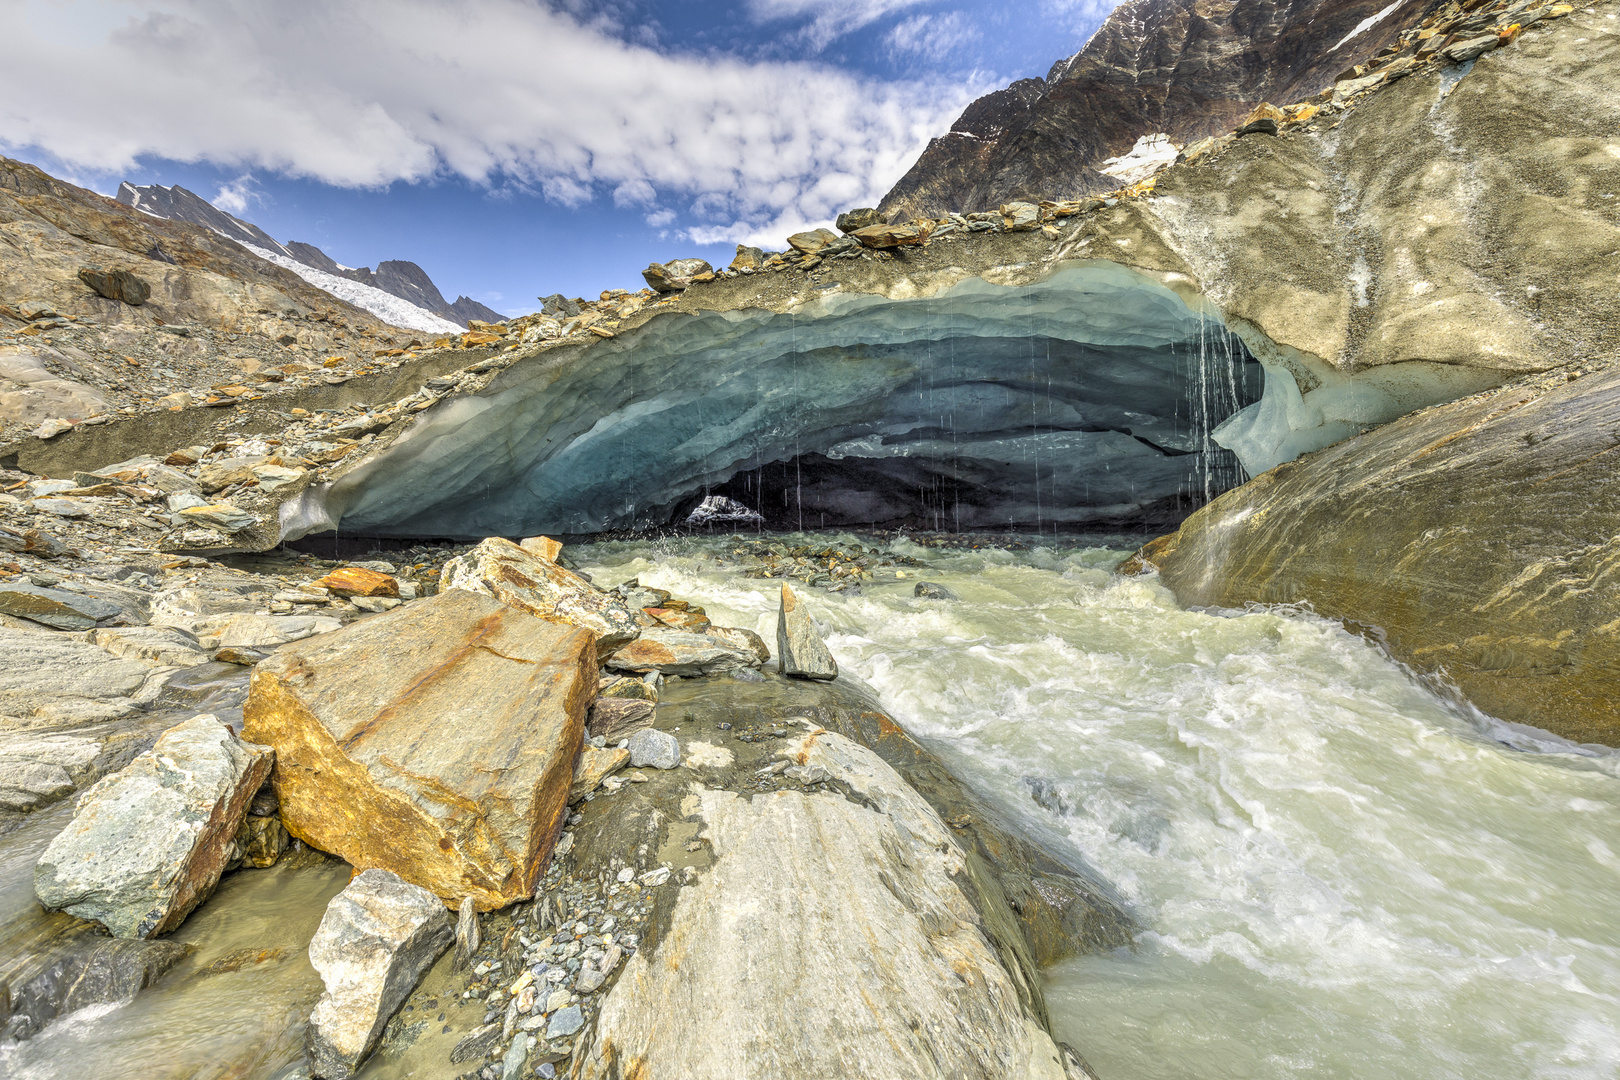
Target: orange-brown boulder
{"points": [[437, 740], [356, 581]]}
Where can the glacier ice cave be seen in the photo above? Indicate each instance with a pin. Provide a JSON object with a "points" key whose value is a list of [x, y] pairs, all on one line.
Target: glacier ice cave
{"points": [[1084, 399]]}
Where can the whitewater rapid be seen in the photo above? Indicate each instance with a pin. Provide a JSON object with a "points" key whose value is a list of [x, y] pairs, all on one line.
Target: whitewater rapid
{"points": [[1336, 872]]}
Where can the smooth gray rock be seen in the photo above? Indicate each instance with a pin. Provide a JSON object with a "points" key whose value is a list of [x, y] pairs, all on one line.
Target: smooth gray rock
{"points": [[36, 770], [168, 645], [517, 1055], [930, 590], [48, 678], [565, 1022], [861, 927], [650, 747], [56, 608], [378, 937], [799, 649], [148, 843]]}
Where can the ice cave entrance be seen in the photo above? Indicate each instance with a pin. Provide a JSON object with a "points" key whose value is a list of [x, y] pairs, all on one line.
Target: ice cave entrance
{"points": [[1084, 400]]}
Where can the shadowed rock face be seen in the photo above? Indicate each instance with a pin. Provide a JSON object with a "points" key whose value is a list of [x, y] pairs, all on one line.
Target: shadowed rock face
{"points": [[1187, 68], [1475, 539]]}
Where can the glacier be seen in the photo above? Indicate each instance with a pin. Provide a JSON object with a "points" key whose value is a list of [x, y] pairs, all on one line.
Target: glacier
{"points": [[1088, 398], [386, 306]]}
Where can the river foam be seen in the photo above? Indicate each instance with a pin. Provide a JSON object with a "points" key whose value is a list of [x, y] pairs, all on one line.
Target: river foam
{"points": [[1337, 872]]}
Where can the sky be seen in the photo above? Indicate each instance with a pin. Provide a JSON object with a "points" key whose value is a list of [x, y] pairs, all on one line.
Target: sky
{"points": [[513, 148]]}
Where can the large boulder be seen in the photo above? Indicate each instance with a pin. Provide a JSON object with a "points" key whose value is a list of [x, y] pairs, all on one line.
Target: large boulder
{"points": [[502, 569], [148, 843], [799, 649], [118, 285], [901, 974], [378, 937], [1476, 540], [436, 740]]}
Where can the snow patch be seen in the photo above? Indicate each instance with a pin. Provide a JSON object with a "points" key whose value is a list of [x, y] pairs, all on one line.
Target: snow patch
{"points": [[1366, 24], [1150, 154], [386, 306]]}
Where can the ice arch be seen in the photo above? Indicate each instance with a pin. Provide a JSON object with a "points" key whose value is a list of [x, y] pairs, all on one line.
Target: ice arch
{"points": [[1086, 397]]}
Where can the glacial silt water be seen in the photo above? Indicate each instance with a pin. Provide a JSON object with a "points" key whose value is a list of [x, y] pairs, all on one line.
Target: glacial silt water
{"points": [[1335, 871]]}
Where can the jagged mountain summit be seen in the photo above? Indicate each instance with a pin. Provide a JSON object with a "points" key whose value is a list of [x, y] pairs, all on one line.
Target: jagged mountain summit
{"points": [[396, 277], [1182, 68]]}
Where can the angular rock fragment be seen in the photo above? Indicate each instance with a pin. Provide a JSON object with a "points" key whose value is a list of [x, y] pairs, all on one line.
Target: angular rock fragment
{"points": [[117, 285], [1264, 119], [436, 740], [680, 652], [651, 748], [799, 649], [594, 767], [55, 608], [502, 569], [813, 242], [378, 937], [149, 842], [863, 218], [739, 638], [1020, 216], [675, 275], [158, 644], [889, 236], [468, 934], [542, 546], [615, 718], [357, 581]]}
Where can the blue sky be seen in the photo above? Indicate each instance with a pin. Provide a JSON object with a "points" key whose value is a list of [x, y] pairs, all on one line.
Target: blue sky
{"points": [[513, 147]]}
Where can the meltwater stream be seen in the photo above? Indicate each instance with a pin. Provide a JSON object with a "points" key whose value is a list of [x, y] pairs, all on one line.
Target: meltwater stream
{"points": [[1335, 872]]}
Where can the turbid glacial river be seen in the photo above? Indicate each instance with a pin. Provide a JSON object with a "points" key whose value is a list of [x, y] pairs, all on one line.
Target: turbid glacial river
{"points": [[1336, 873]]}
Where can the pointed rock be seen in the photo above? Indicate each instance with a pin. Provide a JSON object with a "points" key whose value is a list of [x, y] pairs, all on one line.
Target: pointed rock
{"points": [[148, 843], [436, 740], [799, 649], [378, 937], [468, 935]]}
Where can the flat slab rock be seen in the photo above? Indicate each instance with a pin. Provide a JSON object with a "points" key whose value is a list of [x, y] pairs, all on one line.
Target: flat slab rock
{"points": [[682, 652], [436, 741], [377, 938], [148, 843], [520, 577], [827, 939]]}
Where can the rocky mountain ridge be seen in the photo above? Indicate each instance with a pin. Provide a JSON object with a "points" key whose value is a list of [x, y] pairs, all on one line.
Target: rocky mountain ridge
{"points": [[397, 277], [1184, 68]]}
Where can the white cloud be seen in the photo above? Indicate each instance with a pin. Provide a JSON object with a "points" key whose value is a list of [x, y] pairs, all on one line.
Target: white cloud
{"points": [[634, 193], [829, 19], [660, 218], [235, 197], [370, 92], [931, 37]]}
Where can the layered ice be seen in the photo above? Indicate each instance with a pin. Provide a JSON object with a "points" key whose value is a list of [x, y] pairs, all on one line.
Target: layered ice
{"points": [[1088, 397]]}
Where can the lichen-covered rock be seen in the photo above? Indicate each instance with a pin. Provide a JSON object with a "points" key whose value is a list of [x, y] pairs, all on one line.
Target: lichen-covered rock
{"points": [[358, 581], [148, 843], [436, 741], [799, 649], [379, 935], [502, 569]]}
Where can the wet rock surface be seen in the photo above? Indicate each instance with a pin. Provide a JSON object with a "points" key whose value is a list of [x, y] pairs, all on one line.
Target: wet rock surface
{"points": [[800, 652], [148, 844], [1472, 540]]}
